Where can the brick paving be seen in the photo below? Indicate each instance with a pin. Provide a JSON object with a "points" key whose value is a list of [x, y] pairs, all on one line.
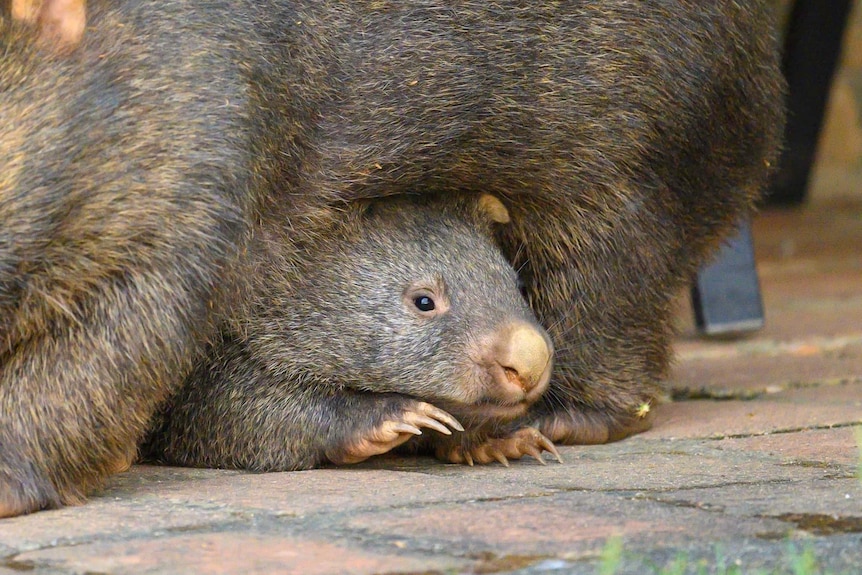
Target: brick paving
{"points": [[754, 462]]}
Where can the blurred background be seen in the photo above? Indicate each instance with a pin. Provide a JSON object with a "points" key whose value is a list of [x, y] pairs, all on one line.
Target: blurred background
{"points": [[837, 171]]}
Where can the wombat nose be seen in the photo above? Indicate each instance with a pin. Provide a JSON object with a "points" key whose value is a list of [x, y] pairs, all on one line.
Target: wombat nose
{"points": [[525, 357]]}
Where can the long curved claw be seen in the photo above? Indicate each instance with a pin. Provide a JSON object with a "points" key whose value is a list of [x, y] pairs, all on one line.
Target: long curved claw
{"points": [[498, 455], [548, 446], [535, 453], [524, 441], [396, 429]]}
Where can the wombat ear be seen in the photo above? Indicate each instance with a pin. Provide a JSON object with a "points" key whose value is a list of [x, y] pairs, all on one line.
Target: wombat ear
{"points": [[493, 208], [60, 22]]}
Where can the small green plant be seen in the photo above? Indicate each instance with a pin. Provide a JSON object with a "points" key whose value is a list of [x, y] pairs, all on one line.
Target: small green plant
{"points": [[611, 556], [677, 567], [802, 562], [795, 561]]}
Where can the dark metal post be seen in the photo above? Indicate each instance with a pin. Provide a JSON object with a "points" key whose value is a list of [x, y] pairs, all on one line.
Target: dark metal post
{"points": [[726, 295]]}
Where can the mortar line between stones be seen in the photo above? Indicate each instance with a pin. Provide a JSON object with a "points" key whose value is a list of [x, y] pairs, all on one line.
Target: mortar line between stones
{"points": [[683, 392], [787, 430], [770, 348]]}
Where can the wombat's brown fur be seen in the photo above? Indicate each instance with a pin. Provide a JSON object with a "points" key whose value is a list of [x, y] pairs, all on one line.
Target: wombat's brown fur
{"points": [[404, 301], [624, 139]]}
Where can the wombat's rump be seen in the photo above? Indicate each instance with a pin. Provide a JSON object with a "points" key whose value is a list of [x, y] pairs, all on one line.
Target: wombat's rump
{"points": [[624, 139], [352, 345]]}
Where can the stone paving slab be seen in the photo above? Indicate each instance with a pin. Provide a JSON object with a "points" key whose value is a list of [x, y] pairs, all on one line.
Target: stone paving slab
{"points": [[534, 527], [227, 553], [824, 406], [806, 321], [743, 555], [804, 366], [825, 231], [751, 348], [814, 283], [797, 503], [825, 447], [402, 514]]}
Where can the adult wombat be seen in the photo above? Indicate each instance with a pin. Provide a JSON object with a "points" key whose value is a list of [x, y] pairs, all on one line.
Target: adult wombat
{"points": [[403, 307], [136, 160]]}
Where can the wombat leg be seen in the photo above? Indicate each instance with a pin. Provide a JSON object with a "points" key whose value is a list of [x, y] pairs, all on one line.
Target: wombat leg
{"points": [[589, 427], [22, 488], [241, 411], [609, 319], [392, 432], [75, 400], [524, 441]]}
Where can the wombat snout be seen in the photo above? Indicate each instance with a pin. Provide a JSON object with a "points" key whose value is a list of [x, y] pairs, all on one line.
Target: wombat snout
{"points": [[519, 359]]}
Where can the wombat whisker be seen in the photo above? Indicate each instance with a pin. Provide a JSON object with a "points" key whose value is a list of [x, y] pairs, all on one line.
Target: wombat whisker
{"points": [[554, 327], [517, 257], [554, 397]]}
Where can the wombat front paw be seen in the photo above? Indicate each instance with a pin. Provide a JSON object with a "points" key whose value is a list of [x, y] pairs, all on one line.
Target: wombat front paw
{"points": [[394, 431], [525, 441]]}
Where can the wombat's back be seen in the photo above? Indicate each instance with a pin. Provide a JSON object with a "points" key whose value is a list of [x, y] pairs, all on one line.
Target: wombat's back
{"points": [[606, 104]]}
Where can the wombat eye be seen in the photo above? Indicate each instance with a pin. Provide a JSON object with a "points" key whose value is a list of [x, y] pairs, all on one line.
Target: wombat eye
{"points": [[424, 303]]}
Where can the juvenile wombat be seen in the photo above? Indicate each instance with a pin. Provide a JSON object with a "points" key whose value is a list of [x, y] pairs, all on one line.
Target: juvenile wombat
{"points": [[402, 302], [135, 160]]}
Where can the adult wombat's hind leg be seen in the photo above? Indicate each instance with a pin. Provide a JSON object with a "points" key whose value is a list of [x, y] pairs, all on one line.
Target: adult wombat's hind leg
{"points": [[607, 311], [660, 148], [74, 402]]}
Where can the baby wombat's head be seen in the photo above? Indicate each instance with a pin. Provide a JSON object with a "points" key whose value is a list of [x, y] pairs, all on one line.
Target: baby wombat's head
{"points": [[412, 296]]}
